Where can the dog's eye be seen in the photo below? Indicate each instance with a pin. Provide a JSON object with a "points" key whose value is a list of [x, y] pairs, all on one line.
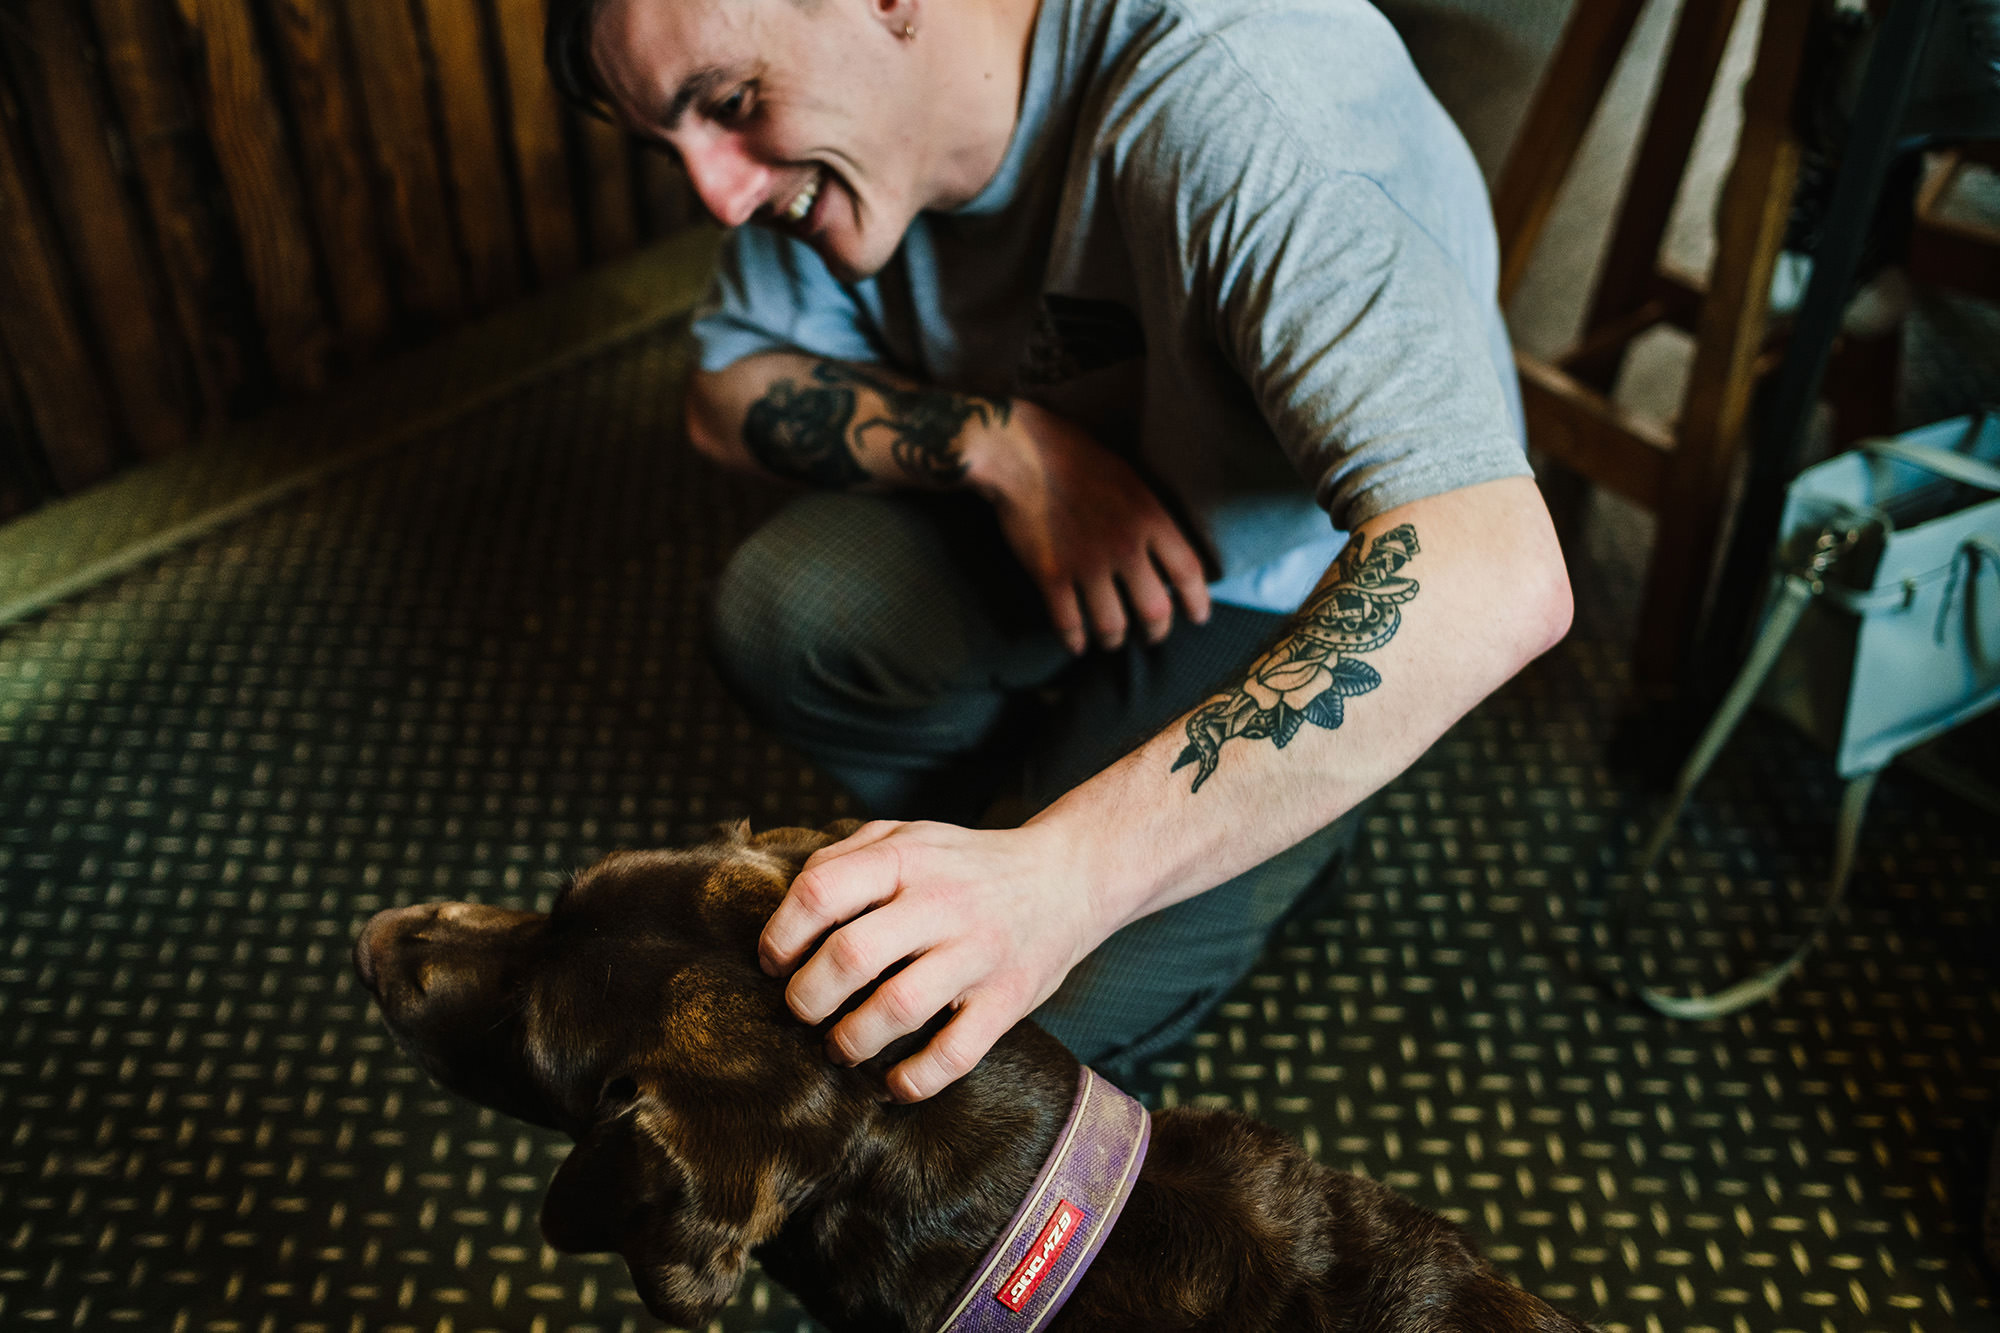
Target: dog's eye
{"points": [[619, 1091]]}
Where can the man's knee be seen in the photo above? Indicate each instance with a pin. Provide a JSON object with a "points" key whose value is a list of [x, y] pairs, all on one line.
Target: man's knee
{"points": [[1150, 985], [761, 625], [839, 604]]}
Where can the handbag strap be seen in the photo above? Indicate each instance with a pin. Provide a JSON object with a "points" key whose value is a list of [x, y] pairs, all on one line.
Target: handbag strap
{"points": [[1982, 550], [1973, 553], [1719, 1004], [1795, 594]]}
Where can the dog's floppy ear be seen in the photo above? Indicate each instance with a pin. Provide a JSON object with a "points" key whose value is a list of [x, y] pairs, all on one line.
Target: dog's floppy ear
{"points": [[685, 1232], [729, 832], [796, 844], [600, 1188]]}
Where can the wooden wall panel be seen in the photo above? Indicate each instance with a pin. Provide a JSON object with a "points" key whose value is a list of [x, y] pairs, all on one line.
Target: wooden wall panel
{"points": [[119, 283], [473, 148], [23, 483], [206, 205], [391, 62], [607, 171], [39, 330], [332, 159], [197, 251], [539, 151], [238, 97]]}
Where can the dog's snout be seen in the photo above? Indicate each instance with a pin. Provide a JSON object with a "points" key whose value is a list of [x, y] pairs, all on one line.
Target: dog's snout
{"points": [[398, 949], [381, 935]]}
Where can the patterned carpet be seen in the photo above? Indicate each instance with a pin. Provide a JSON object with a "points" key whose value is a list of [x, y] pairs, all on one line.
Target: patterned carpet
{"points": [[471, 665]]}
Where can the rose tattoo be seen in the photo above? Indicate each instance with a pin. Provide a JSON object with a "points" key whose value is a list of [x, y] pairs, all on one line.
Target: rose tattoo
{"points": [[1309, 676]]}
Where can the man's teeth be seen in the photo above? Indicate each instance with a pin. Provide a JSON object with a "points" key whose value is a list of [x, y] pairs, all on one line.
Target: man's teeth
{"points": [[802, 205]]}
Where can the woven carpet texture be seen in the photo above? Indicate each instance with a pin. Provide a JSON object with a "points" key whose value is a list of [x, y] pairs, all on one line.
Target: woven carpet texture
{"points": [[468, 666]]}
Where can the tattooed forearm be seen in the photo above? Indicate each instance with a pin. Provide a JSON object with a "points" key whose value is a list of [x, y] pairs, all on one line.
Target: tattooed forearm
{"points": [[809, 432], [1310, 674], [801, 432], [923, 426]]}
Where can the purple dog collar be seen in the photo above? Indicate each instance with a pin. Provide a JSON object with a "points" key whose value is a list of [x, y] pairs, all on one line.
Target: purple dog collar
{"points": [[1028, 1274]]}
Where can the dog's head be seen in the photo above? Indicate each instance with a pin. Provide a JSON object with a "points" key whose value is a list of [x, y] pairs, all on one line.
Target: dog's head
{"points": [[634, 1017]]}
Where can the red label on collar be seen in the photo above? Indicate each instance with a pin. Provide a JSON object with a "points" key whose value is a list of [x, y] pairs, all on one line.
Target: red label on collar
{"points": [[1040, 1258]]}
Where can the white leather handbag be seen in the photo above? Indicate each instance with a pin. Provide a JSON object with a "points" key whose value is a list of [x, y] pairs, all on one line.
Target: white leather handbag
{"points": [[1882, 632]]}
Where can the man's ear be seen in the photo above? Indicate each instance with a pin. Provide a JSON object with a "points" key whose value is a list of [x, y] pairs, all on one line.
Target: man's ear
{"points": [[685, 1233], [898, 16]]}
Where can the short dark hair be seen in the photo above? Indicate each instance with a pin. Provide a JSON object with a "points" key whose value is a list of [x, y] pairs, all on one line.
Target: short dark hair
{"points": [[566, 50]]}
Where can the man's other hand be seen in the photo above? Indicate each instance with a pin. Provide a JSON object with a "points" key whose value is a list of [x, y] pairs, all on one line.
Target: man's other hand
{"points": [[1092, 535]]}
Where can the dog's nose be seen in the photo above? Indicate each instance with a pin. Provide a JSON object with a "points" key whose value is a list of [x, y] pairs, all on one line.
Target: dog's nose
{"points": [[375, 937]]}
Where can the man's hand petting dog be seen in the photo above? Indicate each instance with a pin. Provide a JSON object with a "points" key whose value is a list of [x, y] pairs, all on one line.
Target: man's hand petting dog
{"points": [[988, 934], [710, 1126]]}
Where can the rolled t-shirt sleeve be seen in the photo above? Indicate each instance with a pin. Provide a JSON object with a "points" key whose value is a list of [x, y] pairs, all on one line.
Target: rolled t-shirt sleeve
{"points": [[1331, 240], [1364, 349], [773, 294]]}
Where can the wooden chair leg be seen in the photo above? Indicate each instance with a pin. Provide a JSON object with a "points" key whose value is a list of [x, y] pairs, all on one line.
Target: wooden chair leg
{"points": [[1627, 281], [1957, 253], [1595, 38], [1756, 205]]}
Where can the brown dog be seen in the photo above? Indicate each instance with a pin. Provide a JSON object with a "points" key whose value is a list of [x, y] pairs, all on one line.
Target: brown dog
{"points": [[709, 1124]]}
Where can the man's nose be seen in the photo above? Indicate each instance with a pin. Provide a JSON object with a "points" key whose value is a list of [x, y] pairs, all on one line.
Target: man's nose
{"points": [[732, 185]]}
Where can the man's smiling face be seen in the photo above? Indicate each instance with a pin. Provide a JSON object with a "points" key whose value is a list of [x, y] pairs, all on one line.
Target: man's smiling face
{"points": [[796, 116]]}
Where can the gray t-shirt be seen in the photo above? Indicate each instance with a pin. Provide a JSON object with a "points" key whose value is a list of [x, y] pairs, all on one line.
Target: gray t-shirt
{"points": [[1236, 240]]}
